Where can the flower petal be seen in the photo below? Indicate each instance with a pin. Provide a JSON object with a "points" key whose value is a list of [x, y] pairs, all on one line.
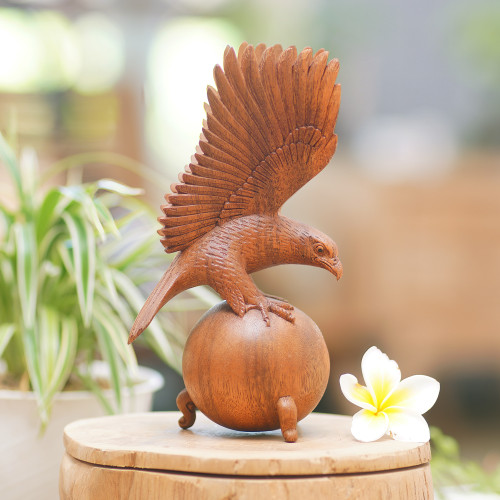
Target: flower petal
{"points": [[356, 393], [406, 425], [368, 426], [417, 393], [381, 374]]}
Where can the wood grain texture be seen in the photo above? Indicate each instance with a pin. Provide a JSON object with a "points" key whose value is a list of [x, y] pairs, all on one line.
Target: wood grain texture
{"points": [[155, 441], [82, 481], [148, 456], [269, 130], [236, 369]]}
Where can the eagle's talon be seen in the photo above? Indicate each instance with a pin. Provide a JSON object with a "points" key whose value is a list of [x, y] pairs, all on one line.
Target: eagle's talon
{"points": [[278, 307], [265, 316], [275, 306], [286, 315]]}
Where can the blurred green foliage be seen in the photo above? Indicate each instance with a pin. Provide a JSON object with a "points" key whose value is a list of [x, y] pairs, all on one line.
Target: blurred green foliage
{"points": [[449, 469]]}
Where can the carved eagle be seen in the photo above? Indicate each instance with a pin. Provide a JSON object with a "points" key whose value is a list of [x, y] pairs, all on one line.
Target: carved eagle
{"points": [[269, 130]]}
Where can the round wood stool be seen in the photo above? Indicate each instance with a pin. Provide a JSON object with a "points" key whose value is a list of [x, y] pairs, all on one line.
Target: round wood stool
{"points": [[147, 456]]}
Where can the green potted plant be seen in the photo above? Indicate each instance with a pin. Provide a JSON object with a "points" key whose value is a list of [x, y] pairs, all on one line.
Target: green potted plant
{"points": [[73, 261]]}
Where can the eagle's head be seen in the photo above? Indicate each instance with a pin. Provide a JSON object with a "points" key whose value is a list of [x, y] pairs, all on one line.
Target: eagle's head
{"points": [[321, 251], [302, 244]]}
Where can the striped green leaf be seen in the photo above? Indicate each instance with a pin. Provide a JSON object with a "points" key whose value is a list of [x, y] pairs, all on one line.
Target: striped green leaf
{"points": [[8, 157], [28, 169], [135, 252], [113, 360], [63, 252], [53, 203], [118, 188], [7, 216], [26, 270], [111, 294], [31, 351], [81, 196], [83, 252], [114, 329], [106, 217], [64, 359], [6, 332], [49, 332], [204, 294]]}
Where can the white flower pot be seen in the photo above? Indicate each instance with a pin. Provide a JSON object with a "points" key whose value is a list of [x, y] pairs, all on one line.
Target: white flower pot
{"points": [[29, 462]]}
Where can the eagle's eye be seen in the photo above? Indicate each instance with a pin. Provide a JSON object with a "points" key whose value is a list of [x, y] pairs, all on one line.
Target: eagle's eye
{"points": [[319, 249]]}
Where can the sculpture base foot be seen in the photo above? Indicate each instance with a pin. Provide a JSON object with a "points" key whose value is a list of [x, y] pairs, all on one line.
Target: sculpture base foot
{"points": [[188, 409], [287, 413]]}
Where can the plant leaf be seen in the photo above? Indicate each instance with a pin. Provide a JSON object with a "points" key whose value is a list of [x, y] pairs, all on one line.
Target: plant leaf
{"points": [[8, 157], [28, 168], [26, 270], [80, 195], [133, 253], [64, 254], [53, 203], [7, 287], [118, 188], [113, 359], [7, 216], [31, 350], [205, 295], [65, 359], [48, 342], [116, 332], [6, 332], [84, 262], [106, 217]]}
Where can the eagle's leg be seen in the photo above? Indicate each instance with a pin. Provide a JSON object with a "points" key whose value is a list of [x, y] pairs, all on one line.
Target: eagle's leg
{"points": [[242, 295], [287, 414], [188, 409], [266, 304]]}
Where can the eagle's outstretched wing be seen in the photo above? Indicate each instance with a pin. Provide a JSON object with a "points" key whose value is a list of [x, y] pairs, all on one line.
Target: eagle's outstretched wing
{"points": [[269, 130]]}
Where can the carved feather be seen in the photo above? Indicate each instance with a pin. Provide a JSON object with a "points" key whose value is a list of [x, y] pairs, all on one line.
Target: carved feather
{"points": [[269, 130]]}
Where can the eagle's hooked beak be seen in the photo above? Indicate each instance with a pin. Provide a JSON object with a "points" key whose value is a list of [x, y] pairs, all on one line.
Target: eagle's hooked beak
{"points": [[333, 265]]}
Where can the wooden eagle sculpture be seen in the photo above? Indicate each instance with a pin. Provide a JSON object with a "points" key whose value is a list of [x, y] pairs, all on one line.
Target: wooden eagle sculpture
{"points": [[269, 130]]}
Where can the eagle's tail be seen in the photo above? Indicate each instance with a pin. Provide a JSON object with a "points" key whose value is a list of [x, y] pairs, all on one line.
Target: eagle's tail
{"points": [[166, 289]]}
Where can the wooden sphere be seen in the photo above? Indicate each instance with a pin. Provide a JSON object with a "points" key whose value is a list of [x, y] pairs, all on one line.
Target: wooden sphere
{"points": [[236, 369]]}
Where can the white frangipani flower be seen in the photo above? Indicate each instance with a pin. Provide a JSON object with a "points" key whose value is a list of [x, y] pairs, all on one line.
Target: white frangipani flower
{"points": [[389, 405]]}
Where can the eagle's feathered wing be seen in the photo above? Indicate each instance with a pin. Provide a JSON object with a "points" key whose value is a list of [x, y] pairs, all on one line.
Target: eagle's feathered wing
{"points": [[269, 130]]}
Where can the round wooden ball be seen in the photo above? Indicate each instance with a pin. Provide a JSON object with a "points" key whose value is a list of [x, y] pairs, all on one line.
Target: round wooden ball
{"points": [[236, 369]]}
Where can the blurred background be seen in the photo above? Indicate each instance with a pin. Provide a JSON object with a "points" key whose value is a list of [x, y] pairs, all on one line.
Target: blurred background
{"points": [[412, 196]]}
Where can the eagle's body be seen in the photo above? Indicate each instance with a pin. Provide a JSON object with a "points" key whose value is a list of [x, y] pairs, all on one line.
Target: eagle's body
{"points": [[269, 130], [224, 258]]}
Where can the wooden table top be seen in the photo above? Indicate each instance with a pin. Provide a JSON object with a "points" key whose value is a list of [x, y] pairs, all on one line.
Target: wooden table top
{"points": [[154, 441]]}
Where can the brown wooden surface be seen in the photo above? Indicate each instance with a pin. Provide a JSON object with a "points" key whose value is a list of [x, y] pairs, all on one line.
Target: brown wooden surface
{"points": [[155, 441], [269, 130], [82, 481], [236, 370], [149, 456]]}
